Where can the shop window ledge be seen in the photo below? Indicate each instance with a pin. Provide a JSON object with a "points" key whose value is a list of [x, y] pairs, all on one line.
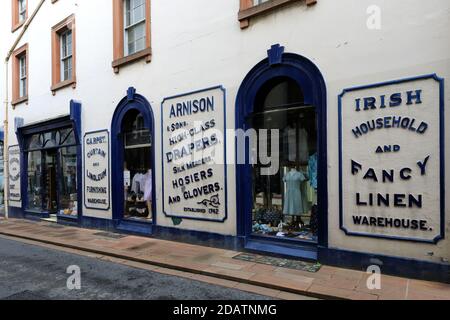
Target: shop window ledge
{"points": [[308, 252]]}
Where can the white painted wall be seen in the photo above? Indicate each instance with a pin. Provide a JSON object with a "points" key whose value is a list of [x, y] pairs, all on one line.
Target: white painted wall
{"points": [[198, 44]]}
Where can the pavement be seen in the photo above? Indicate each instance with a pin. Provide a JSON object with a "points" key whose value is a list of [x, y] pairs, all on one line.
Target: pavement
{"points": [[217, 266]]}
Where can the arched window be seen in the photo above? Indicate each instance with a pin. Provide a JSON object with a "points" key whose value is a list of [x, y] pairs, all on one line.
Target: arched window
{"points": [[285, 203], [137, 167]]}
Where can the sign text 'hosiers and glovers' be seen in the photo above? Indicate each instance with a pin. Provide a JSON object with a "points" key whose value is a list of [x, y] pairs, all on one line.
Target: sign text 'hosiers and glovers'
{"points": [[96, 170], [391, 160], [193, 147]]}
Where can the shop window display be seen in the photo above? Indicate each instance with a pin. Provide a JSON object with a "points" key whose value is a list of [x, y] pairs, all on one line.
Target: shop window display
{"points": [[285, 204], [52, 172], [137, 168]]}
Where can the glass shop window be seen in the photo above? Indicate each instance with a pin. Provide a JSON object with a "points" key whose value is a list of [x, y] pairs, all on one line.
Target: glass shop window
{"points": [[34, 181], [52, 172], [137, 168], [68, 191], [285, 204]]}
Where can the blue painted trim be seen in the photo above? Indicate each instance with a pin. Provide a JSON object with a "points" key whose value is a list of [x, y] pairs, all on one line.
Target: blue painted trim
{"points": [[134, 227], [131, 101], [202, 238], [310, 79], [109, 171], [442, 157], [390, 265], [16, 213], [75, 116], [225, 153], [282, 250], [98, 224]]}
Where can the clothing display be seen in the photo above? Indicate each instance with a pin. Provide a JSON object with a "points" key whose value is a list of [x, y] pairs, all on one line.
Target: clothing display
{"points": [[285, 203], [138, 180], [296, 144], [148, 184], [293, 202], [292, 143], [312, 170], [138, 183], [138, 195], [303, 145]]}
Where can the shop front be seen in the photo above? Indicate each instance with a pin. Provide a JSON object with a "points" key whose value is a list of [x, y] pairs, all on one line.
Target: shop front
{"points": [[45, 168], [133, 182], [286, 168], [284, 212]]}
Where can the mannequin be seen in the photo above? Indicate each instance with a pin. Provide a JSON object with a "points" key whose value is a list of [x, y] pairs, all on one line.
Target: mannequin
{"points": [[293, 202], [148, 185]]}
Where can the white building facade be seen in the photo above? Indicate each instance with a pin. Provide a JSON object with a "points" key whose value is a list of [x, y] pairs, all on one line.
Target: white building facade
{"points": [[123, 116]]}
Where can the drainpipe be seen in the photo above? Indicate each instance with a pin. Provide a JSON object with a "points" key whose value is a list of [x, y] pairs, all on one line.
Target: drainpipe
{"points": [[5, 123]]}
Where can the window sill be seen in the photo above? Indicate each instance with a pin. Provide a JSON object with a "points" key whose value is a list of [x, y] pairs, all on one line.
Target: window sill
{"points": [[146, 53], [18, 101], [63, 84], [245, 15], [17, 26]]}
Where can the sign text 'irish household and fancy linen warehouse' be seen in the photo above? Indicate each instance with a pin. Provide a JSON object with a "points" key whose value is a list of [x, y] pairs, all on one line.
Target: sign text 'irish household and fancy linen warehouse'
{"points": [[193, 148], [96, 170], [392, 160]]}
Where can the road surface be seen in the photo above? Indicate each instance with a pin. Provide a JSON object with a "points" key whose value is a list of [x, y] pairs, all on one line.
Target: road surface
{"points": [[29, 272]]}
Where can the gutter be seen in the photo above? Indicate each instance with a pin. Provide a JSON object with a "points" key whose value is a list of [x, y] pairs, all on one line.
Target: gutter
{"points": [[5, 123]]}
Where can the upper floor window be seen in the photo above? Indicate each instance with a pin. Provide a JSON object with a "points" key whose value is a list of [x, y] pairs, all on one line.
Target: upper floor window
{"points": [[66, 55], [19, 13], [63, 54], [134, 26], [22, 10], [131, 23], [252, 8], [20, 75], [23, 76]]}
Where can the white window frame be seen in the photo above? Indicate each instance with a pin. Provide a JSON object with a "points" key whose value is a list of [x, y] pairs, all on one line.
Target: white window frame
{"points": [[23, 76], [258, 2], [22, 11], [128, 28], [69, 57]]}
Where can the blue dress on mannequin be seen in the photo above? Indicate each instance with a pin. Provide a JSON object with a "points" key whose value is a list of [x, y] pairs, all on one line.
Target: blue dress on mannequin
{"points": [[293, 204]]}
